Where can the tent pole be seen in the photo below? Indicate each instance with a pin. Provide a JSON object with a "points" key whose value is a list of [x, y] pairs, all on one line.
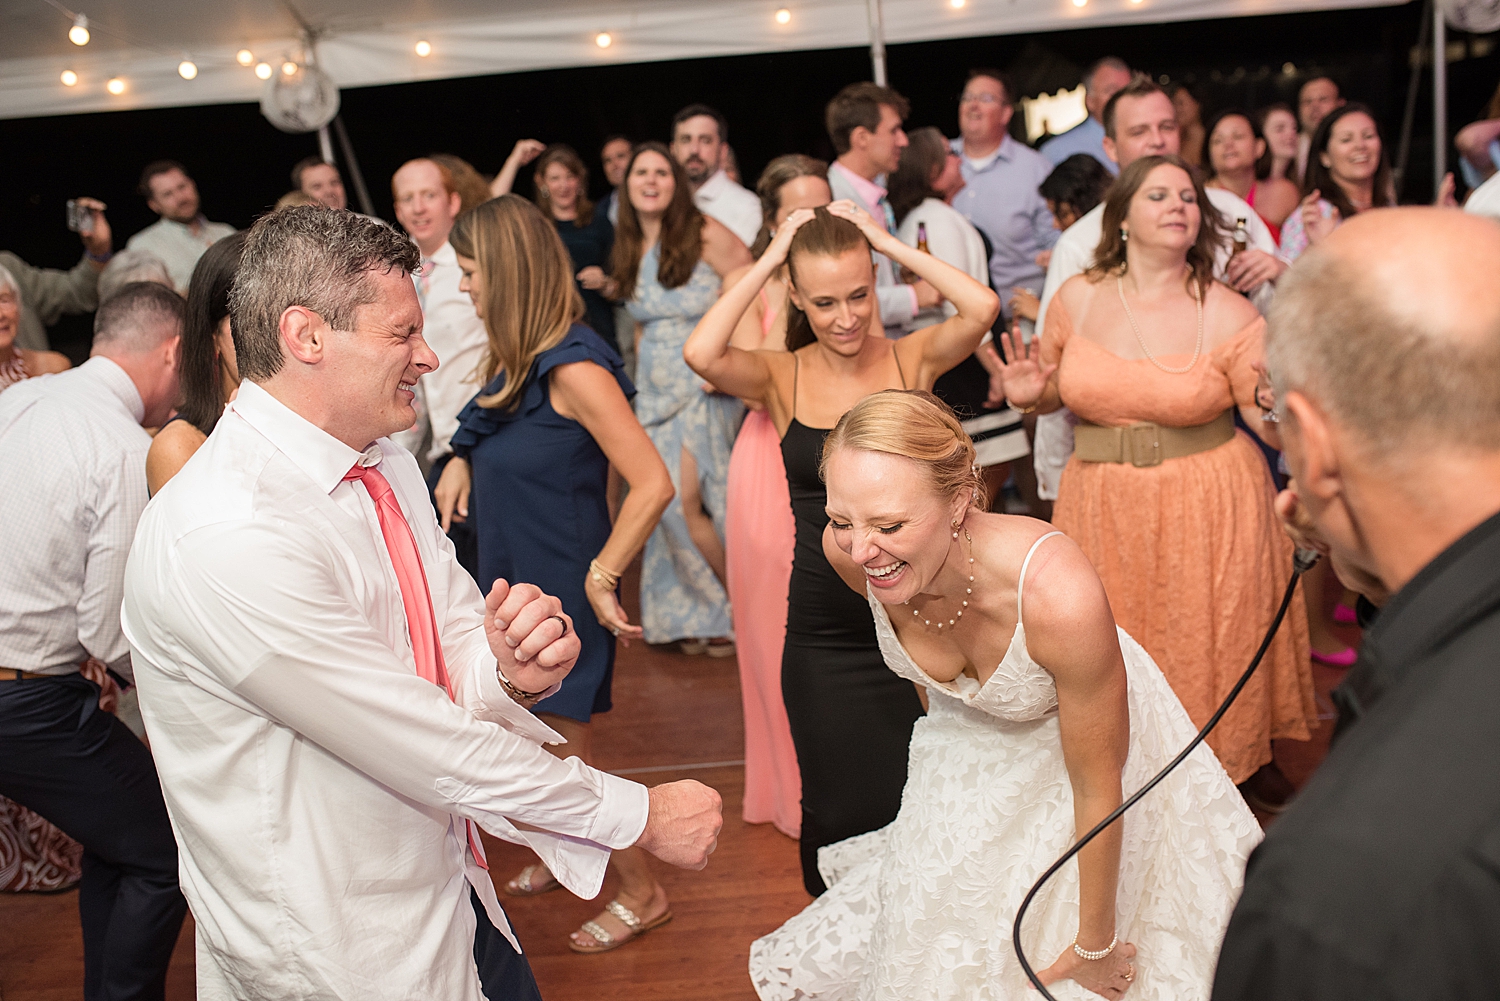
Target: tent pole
{"points": [[325, 145], [365, 205], [1439, 96], [877, 40]]}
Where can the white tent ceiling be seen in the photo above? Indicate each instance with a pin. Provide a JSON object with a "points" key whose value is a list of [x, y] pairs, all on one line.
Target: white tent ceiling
{"points": [[368, 42]]}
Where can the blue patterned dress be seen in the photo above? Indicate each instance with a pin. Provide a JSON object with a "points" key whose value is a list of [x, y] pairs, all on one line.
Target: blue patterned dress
{"points": [[681, 598]]}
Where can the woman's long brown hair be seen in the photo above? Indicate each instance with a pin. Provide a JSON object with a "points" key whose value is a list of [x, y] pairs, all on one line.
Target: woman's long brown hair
{"points": [[1212, 230], [824, 235], [566, 155], [530, 299], [778, 174], [681, 231]]}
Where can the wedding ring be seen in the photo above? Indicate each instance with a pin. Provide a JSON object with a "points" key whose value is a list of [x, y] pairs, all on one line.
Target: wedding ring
{"points": [[562, 622], [1129, 972], [614, 630]]}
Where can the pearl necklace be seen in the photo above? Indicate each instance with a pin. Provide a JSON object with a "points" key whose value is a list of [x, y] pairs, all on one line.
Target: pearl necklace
{"points": [[968, 590], [1197, 348]]}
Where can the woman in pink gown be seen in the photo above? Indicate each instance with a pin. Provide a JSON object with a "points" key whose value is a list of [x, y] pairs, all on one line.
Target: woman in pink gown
{"points": [[759, 531]]}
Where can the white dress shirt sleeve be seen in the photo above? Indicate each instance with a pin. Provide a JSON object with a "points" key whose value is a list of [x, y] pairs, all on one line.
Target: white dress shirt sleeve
{"points": [[118, 496], [263, 609]]}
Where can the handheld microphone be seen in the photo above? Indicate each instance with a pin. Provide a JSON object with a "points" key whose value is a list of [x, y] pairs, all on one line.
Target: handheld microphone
{"points": [[1302, 561]]}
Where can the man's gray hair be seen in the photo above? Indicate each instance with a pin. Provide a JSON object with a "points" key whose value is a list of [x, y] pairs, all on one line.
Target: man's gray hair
{"points": [[8, 280], [308, 256], [1108, 62], [133, 266], [139, 318], [1332, 336]]}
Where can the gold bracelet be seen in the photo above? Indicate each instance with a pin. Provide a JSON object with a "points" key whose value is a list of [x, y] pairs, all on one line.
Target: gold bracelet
{"points": [[1026, 410], [607, 579]]}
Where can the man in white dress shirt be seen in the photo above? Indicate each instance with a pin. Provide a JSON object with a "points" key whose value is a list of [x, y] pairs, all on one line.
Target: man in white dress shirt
{"points": [[698, 136], [73, 450], [182, 233], [864, 125], [292, 631], [427, 202], [1140, 121]]}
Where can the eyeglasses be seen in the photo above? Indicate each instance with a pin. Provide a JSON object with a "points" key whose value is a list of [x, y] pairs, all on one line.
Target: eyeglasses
{"points": [[979, 99]]}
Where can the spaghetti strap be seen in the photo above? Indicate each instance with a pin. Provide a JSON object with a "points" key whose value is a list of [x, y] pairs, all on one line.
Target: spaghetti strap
{"points": [[897, 355], [1020, 582], [796, 370]]}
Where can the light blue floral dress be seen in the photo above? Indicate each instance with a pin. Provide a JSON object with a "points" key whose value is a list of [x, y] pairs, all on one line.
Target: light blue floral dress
{"points": [[681, 598]]}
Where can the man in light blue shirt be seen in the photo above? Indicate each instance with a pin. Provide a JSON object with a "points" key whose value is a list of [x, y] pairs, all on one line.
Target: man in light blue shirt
{"points": [[1001, 178], [1101, 81]]}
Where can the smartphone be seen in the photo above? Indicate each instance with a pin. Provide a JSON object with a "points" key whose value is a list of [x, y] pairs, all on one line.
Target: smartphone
{"points": [[80, 218]]}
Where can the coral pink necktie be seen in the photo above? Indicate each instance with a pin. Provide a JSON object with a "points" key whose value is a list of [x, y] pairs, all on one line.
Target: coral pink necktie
{"points": [[416, 596]]}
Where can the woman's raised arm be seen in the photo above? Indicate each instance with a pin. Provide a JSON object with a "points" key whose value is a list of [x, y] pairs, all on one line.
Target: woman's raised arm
{"points": [[708, 350]]}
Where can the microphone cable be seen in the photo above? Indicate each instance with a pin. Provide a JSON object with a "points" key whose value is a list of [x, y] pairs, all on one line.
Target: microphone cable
{"points": [[1301, 563]]}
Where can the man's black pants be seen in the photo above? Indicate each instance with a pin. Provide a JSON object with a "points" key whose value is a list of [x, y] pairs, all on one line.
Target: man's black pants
{"points": [[81, 768], [504, 974]]}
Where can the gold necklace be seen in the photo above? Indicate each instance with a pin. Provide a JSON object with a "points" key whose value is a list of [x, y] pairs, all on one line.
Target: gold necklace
{"points": [[1197, 348], [968, 590]]}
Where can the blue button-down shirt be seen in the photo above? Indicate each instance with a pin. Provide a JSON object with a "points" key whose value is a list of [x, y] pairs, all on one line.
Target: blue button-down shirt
{"points": [[1003, 202], [1085, 137]]}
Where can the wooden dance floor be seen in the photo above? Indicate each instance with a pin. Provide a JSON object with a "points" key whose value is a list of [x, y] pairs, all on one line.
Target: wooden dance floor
{"points": [[674, 717]]}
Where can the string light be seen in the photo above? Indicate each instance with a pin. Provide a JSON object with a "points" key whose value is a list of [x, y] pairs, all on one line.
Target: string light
{"points": [[187, 69], [263, 70], [1080, 3], [115, 86], [783, 16], [69, 78], [244, 57], [424, 48], [956, 4], [604, 40], [289, 68], [79, 33]]}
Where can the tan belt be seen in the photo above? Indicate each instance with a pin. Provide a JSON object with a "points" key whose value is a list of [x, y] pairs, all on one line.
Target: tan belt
{"points": [[10, 674], [1147, 444]]}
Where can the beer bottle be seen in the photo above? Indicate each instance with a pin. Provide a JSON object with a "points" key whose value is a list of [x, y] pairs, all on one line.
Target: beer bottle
{"points": [[922, 237], [1241, 237]]}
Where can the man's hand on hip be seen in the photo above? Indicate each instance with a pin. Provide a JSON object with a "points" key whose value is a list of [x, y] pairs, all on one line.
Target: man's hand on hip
{"points": [[684, 823], [531, 637]]}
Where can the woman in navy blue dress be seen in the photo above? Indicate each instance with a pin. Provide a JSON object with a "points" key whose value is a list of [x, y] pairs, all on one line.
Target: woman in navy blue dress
{"points": [[536, 445]]}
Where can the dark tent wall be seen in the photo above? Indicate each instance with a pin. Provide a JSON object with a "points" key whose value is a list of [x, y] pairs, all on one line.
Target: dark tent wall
{"points": [[774, 104]]}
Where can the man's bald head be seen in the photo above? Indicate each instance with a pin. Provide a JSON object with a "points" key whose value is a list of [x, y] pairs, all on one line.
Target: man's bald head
{"points": [[1391, 327]]}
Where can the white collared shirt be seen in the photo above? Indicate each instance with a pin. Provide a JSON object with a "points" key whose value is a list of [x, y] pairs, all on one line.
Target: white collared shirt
{"points": [[178, 246], [73, 456], [732, 205], [456, 333], [317, 785]]}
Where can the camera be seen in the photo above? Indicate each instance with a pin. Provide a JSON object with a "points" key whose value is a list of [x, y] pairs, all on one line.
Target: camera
{"points": [[80, 217]]}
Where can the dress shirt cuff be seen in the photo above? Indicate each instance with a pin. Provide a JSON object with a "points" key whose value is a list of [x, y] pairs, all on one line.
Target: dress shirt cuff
{"points": [[624, 807], [517, 718]]}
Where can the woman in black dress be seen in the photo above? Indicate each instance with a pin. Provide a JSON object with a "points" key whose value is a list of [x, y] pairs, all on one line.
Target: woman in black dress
{"points": [[851, 719], [562, 184]]}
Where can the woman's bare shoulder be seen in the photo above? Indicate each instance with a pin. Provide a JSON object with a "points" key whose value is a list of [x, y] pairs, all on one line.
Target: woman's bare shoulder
{"points": [[45, 362], [172, 447]]}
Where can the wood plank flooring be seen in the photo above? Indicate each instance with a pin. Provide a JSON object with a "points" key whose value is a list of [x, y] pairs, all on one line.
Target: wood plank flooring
{"points": [[672, 712]]}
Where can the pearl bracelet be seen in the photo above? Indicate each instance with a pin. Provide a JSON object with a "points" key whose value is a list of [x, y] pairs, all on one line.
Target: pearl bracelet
{"points": [[1093, 955]]}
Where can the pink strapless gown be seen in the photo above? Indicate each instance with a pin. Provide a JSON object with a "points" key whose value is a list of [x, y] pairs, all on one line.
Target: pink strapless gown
{"points": [[759, 535]]}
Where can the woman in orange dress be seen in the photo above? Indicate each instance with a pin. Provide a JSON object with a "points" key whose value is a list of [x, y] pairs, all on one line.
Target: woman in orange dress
{"points": [[759, 530], [1171, 503]]}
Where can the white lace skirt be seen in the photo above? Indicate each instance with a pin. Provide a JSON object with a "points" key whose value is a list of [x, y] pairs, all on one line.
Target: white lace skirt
{"points": [[923, 908]]}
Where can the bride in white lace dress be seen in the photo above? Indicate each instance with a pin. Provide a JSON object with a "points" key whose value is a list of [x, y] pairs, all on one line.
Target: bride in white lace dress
{"points": [[1010, 763]]}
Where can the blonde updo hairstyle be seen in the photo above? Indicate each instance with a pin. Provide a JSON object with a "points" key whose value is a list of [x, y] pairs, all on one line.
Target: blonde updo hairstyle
{"points": [[916, 425]]}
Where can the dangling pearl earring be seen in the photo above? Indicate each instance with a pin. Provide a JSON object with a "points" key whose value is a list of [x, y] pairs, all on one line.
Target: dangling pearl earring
{"points": [[1124, 235], [955, 529]]}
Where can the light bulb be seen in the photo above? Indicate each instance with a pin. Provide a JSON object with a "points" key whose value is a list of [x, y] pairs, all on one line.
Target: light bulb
{"points": [[289, 68], [956, 4], [244, 57], [79, 33], [783, 16], [1080, 3], [187, 69], [424, 48], [603, 40], [115, 86], [69, 78], [263, 70]]}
